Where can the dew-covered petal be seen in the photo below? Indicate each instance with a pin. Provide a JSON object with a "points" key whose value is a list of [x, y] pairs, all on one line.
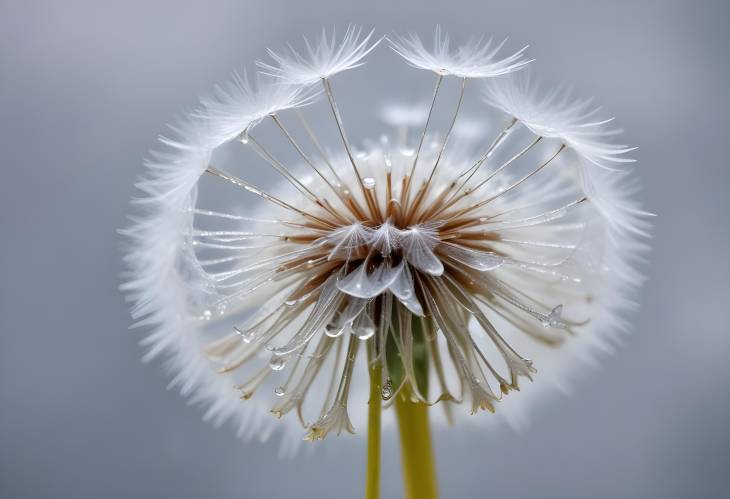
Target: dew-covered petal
{"points": [[403, 289], [361, 284], [346, 241], [418, 247]]}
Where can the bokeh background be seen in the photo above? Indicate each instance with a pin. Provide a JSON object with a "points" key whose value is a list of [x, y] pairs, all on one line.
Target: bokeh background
{"points": [[86, 87]]}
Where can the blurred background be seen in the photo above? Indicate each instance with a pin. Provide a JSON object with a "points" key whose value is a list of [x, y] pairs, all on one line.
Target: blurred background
{"points": [[85, 89]]}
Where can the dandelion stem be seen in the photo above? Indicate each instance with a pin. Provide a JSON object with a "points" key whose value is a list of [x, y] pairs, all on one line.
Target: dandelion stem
{"points": [[419, 467], [372, 479]]}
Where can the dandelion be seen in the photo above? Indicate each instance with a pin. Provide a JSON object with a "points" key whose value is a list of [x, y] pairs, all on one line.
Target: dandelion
{"points": [[409, 272]]}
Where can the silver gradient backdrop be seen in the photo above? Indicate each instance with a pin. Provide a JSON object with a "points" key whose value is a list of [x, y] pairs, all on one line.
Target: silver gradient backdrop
{"points": [[85, 89]]}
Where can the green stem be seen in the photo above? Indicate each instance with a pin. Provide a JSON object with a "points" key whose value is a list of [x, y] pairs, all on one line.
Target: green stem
{"points": [[372, 478], [419, 467]]}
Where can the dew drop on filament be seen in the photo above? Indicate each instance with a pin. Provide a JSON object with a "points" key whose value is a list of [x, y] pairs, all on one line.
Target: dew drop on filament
{"points": [[333, 330], [365, 332], [387, 390], [246, 336], [243, 138], [279, 391], [369, 183], [553, 318], [277, 363]]}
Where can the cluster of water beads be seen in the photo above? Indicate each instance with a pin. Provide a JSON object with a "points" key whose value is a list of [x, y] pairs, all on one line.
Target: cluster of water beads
{"points": [[207, 314], [361, 328], [362, 332]]}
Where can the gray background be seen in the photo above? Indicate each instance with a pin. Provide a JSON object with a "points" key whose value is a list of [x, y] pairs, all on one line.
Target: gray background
{"points": [[85, 88]]}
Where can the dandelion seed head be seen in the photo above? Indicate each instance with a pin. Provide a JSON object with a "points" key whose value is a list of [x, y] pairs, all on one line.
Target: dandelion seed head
{"points": [[492, 256]]}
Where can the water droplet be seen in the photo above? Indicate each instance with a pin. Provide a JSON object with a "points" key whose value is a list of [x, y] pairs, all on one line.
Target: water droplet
{"points": [[280, 391], [207, 314], [553, 318], [333, 330], [369, 183], [555, 315], [365, 332], [277, 363], [405, 151], [387, 390], [246, 336], [243, 138]]}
